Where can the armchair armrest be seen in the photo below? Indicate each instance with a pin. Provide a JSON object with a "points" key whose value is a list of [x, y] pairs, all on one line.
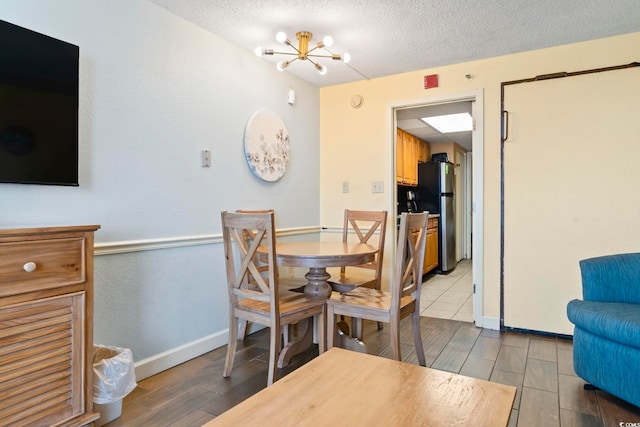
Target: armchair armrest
{"points": [[611, 278]]}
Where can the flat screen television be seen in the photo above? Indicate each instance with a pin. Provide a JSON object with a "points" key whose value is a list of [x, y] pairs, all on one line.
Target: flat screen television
{"points": [[38, 108]]}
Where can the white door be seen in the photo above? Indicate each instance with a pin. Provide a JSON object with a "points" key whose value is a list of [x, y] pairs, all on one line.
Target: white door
{"points": [[570, 188]]}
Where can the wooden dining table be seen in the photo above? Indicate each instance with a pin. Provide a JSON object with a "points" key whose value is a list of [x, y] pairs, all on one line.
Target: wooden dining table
{"points": [[317, 256], [345, 388]]}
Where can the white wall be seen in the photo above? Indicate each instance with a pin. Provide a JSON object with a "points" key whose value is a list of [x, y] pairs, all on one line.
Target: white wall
{"points": [[154, 91]]}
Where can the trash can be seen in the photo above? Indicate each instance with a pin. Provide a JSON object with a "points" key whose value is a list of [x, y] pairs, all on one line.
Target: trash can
{"points": [[113, 378]]}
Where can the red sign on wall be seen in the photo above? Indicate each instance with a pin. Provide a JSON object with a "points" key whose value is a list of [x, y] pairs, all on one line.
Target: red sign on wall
{"points": [[430, 81]]}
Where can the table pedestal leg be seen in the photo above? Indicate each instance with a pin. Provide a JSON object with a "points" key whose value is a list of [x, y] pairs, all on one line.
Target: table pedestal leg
{"points": [[318, 285], [343, 340], [302, 333], [300, 340]]}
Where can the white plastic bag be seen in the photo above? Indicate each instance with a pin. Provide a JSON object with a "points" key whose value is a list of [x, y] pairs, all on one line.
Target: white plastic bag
{"points": [[113, 373]]}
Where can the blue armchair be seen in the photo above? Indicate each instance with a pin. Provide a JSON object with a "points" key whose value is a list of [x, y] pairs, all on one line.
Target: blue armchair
{"points": [[606, 338]]}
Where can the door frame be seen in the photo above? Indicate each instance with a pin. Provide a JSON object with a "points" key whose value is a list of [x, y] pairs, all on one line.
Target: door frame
{"points": [[461, 202], [468, 215], [477, 206]]}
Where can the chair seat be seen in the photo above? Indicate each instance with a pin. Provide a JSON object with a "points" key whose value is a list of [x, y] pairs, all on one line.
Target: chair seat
{"points": [[290, 283], [615, 321], [291, 303], [353, 276], [371, 301]]}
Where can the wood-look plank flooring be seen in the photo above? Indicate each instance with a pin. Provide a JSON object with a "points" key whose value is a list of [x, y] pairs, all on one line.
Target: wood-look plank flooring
{"points": [[541, 368]]}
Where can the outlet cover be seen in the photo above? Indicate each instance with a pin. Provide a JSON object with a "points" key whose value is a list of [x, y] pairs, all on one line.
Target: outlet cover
{"points": [[206, 158]]}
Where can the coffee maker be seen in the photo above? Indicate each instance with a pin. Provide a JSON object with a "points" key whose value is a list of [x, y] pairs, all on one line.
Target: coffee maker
{"points": [[412, 206]]}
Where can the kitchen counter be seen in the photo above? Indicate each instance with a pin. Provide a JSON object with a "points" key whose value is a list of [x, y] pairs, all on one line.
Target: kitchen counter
{"points": [[430, 216]]}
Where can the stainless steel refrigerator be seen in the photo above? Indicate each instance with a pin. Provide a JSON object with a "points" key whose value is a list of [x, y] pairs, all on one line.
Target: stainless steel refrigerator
{"points": [[435, 193]]}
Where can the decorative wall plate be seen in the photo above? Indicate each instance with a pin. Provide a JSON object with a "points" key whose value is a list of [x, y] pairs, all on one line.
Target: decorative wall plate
{"points": [[266, 145]]}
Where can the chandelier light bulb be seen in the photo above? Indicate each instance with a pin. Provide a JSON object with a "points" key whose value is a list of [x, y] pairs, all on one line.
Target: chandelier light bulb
{"points": [[281, 37], [282, 65], [327, 40], [321, 69], [346, 58], [258, 51]]}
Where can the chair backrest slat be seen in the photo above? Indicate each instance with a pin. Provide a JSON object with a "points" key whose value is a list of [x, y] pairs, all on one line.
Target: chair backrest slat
{"points": [[250, 235]]}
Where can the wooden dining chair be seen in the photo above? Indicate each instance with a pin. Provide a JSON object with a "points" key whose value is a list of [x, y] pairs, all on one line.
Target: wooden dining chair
{"points": [[403, 297], [361, 226], [286, 283], [260, 301], [249, 237]]}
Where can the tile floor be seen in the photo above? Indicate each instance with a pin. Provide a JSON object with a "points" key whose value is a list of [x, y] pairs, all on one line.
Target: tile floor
{"points": [[449, 296]]}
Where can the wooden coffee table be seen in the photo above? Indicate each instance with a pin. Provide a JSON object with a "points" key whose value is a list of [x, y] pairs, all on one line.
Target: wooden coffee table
{"points": [[345, 388]]}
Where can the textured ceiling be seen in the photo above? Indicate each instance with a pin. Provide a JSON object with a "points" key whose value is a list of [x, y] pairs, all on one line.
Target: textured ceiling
{"points": [[396, 36]]}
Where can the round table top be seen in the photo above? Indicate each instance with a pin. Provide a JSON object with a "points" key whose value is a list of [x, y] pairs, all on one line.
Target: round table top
{"points": [[323, 254]]}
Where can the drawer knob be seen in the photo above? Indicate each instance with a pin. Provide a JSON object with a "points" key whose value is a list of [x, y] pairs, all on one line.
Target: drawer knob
{"points": [[29, 267]]}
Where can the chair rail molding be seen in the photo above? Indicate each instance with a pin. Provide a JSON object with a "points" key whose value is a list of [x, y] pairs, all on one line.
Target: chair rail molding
{"points": [[126, 246]]}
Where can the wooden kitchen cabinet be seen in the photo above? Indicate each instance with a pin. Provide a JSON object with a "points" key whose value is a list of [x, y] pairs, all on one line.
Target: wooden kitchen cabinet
{"points": [[46, 326], [424, 151], [431, 246], [399, 156], [406, 158]]}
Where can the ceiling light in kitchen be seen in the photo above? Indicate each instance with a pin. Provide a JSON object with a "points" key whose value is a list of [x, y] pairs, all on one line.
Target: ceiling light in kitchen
{"points": [[449, 123]]}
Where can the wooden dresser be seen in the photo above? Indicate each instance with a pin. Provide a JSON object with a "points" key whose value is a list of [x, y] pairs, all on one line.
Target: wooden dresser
{"points": [[46, 326]]}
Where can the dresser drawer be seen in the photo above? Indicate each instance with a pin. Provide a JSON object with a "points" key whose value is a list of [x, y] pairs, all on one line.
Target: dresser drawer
{"points": [[54, 263]]}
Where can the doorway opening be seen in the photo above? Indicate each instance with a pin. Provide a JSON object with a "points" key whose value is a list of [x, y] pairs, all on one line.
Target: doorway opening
{"points": [[467, 156]]}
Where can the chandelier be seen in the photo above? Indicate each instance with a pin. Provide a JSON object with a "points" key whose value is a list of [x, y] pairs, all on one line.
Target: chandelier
{"points": [[302, 52]]}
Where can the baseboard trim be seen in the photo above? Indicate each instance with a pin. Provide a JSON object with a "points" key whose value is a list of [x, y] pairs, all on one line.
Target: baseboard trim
{"points": [[171, 358], [491, 323], [541, 333]]}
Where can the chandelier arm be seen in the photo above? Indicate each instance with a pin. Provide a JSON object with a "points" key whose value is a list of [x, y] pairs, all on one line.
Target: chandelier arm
{"points": [[312, 61], [288, 43], [321, 69], [319, 45], [335, 56], [322, 56], [283, 53]]}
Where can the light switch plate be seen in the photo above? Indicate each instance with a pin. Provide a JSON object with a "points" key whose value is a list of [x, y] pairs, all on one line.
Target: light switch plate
{"points": [[377, 187], [345, 187]]}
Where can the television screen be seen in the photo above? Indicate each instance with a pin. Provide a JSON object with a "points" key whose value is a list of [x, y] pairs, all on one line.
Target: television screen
{"points": [[38, 108]]}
